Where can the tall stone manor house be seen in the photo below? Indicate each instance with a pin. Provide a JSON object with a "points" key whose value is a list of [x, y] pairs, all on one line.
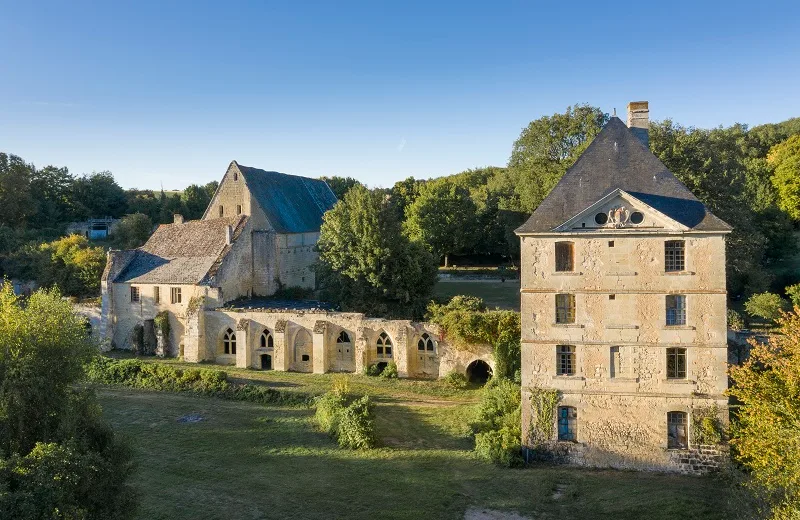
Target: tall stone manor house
{"points": [[211, 278], [623, 305]]}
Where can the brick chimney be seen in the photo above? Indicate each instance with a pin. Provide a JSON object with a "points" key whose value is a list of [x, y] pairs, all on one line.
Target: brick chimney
{"points": [[639, 120], [177, 218]]}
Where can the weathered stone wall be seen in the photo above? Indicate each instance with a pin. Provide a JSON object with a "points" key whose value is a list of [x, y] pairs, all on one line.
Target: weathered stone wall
{"points": [[620, 289], [291, 331], [296, 258], [232, 192]]}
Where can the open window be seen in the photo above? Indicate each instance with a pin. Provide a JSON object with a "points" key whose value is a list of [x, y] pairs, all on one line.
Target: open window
{"points": [[677, 430], [229, 342], [425, 344], [383, 346], [266, 340], [565, 260]]}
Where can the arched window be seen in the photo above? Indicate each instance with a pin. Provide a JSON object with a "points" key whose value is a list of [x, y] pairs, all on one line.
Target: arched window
{"points": [[266, 339], [229, 342], [343, 338], [384, 346], [426, 344]]}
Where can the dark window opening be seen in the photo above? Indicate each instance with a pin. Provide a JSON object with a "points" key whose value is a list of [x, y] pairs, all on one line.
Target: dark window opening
{"points": [[266, 340], [677, 430], [425, 343], [565, 256], [565, 360], [266, 362], [601, 218], [565, 308], [567, 423], [304, 357], [610, 243], [637, 217], [674, 256], [676, 309], [612, 296], [221, 211], [383, 346], [676, 363], [229, 342], [134, 294]]}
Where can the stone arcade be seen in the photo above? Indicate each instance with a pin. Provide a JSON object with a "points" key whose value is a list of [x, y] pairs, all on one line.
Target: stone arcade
{"points": [[256, 237], [623, 306]]}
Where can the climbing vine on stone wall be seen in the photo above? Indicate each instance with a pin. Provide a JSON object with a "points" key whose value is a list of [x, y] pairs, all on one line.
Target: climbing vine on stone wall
{"points": [[161, 322], [707, 426], [467, 322], [543, 410]]}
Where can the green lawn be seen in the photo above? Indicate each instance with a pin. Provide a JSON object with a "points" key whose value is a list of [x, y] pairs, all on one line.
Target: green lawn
{"points": [[495, 293], [250, 461]]}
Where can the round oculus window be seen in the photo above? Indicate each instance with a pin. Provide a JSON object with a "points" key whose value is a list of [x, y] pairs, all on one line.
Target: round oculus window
{"points": [[637, 217], [601, 218]]}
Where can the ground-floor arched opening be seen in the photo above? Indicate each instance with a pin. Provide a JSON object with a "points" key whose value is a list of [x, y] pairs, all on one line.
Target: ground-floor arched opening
{"points": [[266, 362], [479, 372], [381, 366]]}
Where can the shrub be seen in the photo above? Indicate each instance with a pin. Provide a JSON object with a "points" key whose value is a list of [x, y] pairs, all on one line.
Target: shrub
{"points": [[455, 380], [765, 305], [497, 424], [390, 371], [372, 370], [793, 292], [735, 320], [706, 426], [329, 410], [357, 425], [500, 446]]}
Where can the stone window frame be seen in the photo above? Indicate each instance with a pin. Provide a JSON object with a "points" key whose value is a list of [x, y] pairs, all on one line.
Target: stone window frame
{"points": [[383, 343], [678, 353], [266, 339], [175, 295], [565, 308], [677, 430], [675, 316], [567, 423], [136, 295], [564, 257], [674, 256], [566, 360], [156, 294], [426, 344], [229, 342]]}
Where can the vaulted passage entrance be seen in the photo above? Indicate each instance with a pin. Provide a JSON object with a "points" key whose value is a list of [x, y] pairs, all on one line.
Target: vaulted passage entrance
{"points": [[266, 362], [479, 372]]}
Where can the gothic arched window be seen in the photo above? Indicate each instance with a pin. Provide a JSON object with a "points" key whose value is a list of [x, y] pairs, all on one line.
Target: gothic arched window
{"points": [[229, 342], [384, 346], [426, 344], [266, 339]]}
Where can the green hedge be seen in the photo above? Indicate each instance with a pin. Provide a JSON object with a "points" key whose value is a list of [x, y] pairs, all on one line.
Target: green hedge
{"points": [[136, 373]]}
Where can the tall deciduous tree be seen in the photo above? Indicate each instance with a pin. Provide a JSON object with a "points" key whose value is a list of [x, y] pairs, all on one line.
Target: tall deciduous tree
{"points": [[133, 231], [547, 147], [443, 218], [367, 264], [766, 432], [340, 185], [99, 195], [785, 158]]}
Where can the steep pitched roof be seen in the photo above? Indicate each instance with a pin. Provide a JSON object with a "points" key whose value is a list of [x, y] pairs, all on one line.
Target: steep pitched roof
{"points": [[292, 204], [616, 159], [181, 253]]}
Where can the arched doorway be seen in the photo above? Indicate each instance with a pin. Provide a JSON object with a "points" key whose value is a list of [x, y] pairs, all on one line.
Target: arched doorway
{"points": [[266, 362], [344, 358], [303, 350], [479, 372]]}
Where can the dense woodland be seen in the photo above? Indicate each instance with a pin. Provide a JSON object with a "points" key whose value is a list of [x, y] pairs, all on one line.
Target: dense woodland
{"points": [[749, 177]]}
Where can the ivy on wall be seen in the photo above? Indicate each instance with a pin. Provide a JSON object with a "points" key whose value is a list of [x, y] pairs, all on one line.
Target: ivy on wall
{"points": [[467, 322], [543, 412], [161, 322], [707, 426]]}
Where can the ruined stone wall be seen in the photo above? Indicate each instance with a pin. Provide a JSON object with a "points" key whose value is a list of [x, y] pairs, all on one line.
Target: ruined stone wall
{"points": [[290, 331], [622, 396]]}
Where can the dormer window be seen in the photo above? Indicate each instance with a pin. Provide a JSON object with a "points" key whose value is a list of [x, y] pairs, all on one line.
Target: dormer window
{"points": [[565, 260]]}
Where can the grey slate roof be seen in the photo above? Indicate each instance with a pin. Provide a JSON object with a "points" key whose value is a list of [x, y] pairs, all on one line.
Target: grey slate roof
{"points": [[181, 253], [616, 159], [292, 204]]}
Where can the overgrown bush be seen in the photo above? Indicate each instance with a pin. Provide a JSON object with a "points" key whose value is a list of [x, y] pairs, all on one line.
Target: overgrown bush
{"points": [[455, 380], [202, 381], [357, 425], [372, 370], [389, 371], [707, 426], [735, 320], [329, 410], [765, 305], [793, 292], [497, 424]]}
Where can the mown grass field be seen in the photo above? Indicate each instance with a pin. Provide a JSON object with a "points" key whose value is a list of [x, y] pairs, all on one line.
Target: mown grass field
{"points": [[494, 293], [244, 460]]}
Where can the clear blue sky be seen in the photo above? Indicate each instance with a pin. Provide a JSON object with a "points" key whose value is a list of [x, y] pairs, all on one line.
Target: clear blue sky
{"points": [[170, 92]]}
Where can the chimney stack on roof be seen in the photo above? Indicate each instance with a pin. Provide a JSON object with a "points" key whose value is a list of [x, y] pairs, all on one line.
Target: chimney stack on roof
{"points": [[228, 235], [177, 218], [639, 120]]}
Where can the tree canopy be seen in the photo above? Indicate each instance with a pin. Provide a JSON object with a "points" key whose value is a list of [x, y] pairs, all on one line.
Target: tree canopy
{"points": [[367, 264]]}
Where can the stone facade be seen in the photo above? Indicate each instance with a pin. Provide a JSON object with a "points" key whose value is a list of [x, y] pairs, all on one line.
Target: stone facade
{"points": [[623, 312]]}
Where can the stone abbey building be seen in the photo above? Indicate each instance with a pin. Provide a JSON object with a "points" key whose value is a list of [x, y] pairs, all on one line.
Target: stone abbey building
{"points": [[623, 306], [209, 279]]}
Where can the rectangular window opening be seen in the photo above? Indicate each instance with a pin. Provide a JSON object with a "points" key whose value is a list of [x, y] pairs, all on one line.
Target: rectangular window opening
{"points": [[615, 362], [175, 294], [134, 294], [565, 308], [238, 209], [565, 360], [610, 243], [674, 256], [677, 430], [565, 260], [156, 294], [676, 363], [304, 357], [676, 309], [567, 423]]}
